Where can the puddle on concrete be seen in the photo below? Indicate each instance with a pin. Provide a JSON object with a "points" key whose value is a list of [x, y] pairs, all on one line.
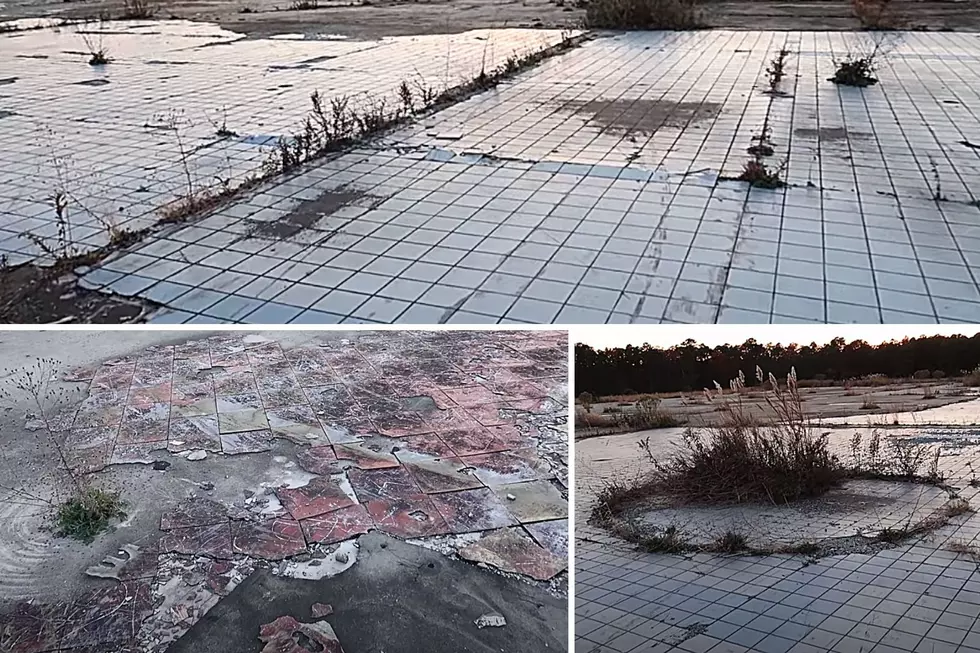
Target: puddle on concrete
{"points": [[7, 80], [831, 134], [306, 215], [644, 116], [963, 413]]}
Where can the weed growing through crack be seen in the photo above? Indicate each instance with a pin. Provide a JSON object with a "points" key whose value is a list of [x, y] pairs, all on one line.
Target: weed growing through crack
{"points": [[221, 129], [89, 513], [777, 70], [760, 175], [667, 540], [731, 542], [95, 45], [855, 71], [643, 14], [868, 403], [937, 181]]}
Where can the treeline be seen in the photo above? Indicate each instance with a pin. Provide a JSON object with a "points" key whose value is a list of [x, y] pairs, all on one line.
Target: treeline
{"points": [[693, 366]]}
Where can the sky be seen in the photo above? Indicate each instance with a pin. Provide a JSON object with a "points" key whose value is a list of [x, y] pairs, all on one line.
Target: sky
{"points": [[667, 335]]}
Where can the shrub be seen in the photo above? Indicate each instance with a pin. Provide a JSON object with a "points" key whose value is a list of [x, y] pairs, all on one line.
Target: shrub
{"points": [[649, 415], [643, 14], [741, 460], [921, 375], [592, 420], [586, 399], [939, 375], [869, 403], [972, 379], [855, 71]]}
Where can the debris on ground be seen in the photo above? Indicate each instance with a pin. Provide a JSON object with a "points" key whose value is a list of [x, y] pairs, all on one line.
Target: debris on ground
{"points": [[490, 620], [320, 610], [286, 635]]}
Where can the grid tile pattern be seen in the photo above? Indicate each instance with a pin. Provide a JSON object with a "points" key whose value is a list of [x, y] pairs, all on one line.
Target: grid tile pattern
{"points": [[917, 597], [123, 140], [588, 191]]}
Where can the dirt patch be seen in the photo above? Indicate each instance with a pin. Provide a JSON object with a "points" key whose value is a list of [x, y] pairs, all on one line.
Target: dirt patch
{"points": [[831, 134], [307, 215], [30, 294], [644, 116]]}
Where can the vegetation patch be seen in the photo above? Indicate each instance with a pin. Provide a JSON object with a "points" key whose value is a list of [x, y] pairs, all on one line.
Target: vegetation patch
{"points": [[89, 513], [643, 14]]}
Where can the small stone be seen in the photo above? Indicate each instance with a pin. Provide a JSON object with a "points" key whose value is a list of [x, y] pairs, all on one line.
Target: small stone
{"points": [[320, 610], [342, 557], [511, 497], [161, 465], [491, 620], [207, 486], [197, 454]]}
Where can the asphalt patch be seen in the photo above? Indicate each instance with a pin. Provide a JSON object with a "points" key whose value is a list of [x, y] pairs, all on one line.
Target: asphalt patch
{"points": [[397, 598]]}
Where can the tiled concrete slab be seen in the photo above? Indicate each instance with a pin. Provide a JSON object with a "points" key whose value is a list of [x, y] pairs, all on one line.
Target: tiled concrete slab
{"points": [[183, 106], [917, 596], [588, 191]]}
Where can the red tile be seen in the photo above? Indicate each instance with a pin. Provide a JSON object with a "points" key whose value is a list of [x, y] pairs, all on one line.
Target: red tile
{"points": [[428, 444], [195, 511], [338, 525], [401, 423], [472, 510], [365, 457], [472, 395], [321, 461], [408, 517], [391, 483], [319, 496], [273, 539], [467, 442], [441, 475], [510, 550], [214, 540], [334, 402], [505, 467], [285, 634]]}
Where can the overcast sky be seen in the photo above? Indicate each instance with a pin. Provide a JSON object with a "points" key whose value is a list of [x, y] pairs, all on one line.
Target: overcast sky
{"points": [[667, 335]]}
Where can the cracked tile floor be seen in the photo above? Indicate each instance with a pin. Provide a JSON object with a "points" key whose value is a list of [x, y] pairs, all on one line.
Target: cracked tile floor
{"points": [[588, 190], [916, 597], [452, 440]]}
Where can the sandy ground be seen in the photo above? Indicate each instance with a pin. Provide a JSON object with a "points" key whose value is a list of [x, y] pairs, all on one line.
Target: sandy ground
{"points": [[369, 19], [820, 403]]}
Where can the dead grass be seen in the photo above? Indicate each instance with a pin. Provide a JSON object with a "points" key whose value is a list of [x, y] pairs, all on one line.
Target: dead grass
{"points": [[643, 14], [138, 9], [856, 71], [760, 175]]}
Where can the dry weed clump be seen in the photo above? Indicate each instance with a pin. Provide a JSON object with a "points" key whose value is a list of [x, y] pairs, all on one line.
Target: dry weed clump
{"points": [[643, 14], [742, 460]]}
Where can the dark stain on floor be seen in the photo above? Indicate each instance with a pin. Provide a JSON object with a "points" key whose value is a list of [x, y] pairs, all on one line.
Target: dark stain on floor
{"points": [[308, 214], [644, 116], [830, 134], [93, 82]]}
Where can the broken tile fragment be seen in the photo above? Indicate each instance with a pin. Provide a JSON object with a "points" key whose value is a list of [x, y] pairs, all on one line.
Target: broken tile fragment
{"points": [[476, 439], [390, 483], [321, 461], [321, 495], [144, 453], [338, 525], [295, 423], [273, 539], [439, 474], [472, 510], [188, 433], [509, 550], [214, 540], [345, 431], [285, 634], [321, 610], [503, 467], [408, 517], [130, 562], [427, 444], [400, 424], [533, 501], [246, 442], [370, 453], [194, 511], [242, 420], [552, 535], [472, 395]]}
